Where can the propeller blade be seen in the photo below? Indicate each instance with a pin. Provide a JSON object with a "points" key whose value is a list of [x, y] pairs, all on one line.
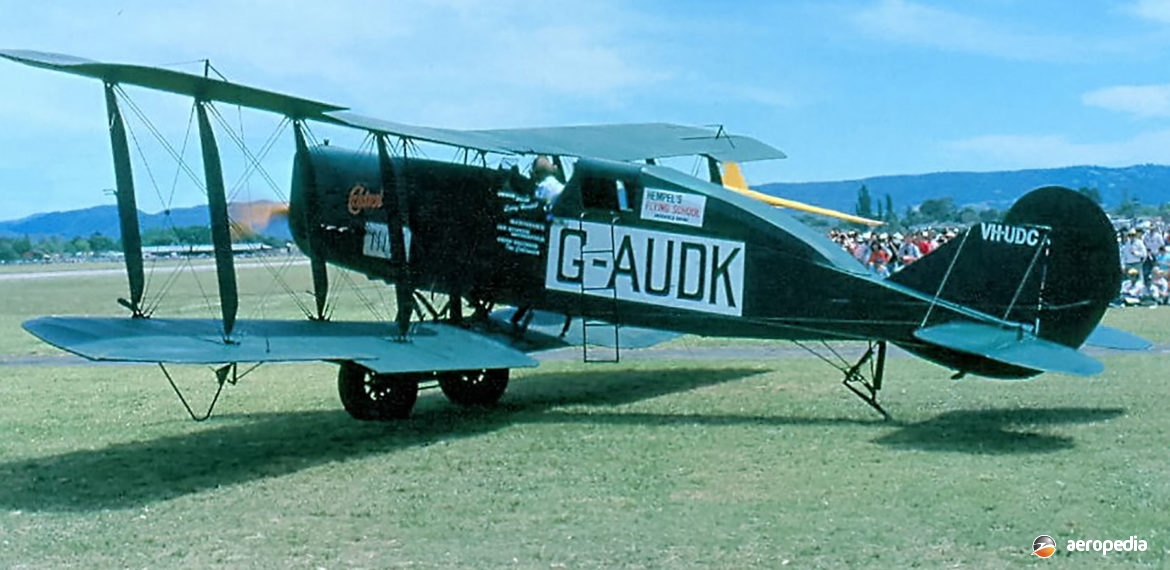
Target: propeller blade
{"points": [[250, 217]]}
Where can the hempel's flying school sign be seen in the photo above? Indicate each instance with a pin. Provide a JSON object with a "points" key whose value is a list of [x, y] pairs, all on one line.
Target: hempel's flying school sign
{"points": [[674, 207]]}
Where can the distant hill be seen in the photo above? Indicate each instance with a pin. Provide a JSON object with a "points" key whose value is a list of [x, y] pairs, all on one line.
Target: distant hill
{"points": [[104, 220], [1150, 183]]}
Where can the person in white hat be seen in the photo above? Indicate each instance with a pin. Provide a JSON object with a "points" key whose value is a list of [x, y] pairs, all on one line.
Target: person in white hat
{"points": [[1159, 287], [908, 252], [1133, 251], [1132, 288]]}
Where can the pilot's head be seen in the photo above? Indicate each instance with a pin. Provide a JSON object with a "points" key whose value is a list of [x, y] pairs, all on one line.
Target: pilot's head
{"points": [[543, 166]]}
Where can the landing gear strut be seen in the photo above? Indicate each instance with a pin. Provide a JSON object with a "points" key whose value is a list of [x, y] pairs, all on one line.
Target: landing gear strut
{"points": [[367, 395], [867, 388]]}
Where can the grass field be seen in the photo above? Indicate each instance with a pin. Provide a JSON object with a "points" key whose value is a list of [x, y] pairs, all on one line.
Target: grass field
{"points": [[764, 463]]}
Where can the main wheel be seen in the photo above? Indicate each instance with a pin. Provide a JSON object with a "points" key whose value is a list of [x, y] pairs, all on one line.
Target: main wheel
{"points": [[369, 396], [474, 387]]}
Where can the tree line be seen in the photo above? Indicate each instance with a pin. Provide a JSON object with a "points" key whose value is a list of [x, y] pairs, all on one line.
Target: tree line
{"points": [[932, 211], [943, 211], [24, 247]]}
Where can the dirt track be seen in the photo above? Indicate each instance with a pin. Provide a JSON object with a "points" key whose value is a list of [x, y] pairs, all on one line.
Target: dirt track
{"points": [[65, 274]]}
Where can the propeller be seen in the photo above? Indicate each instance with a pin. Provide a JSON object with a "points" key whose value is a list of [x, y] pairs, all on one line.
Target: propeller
{"points": [[733, 180], [248, 218]]}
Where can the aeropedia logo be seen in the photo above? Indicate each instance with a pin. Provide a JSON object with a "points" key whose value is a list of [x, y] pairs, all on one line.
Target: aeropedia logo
{"points": [[1043, 546]]}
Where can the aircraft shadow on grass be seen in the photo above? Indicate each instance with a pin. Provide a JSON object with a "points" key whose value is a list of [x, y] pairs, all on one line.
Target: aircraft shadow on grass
{"points": [[136, 473], [259, 446], [994, 431]]}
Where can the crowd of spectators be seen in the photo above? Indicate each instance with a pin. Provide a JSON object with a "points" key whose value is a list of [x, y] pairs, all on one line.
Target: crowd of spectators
{"points": [[1144, 253], [1145, 264], [884, 253]]}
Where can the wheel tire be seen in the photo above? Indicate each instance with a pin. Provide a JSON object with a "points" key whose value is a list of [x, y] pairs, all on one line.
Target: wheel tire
{"points": [[377, 397], [474, 387]]}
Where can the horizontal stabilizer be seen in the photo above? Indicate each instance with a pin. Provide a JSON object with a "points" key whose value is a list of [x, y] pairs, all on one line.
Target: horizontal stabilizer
{"points": [[1009, 346], [544, 332], [1117, 339], [431, 346]]}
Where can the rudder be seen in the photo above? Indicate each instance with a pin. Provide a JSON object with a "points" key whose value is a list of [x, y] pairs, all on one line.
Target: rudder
{"points": [[1052, 263]]}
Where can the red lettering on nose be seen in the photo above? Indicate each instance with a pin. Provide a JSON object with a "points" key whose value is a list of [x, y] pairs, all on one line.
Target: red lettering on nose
{"points": [[361, 199]]}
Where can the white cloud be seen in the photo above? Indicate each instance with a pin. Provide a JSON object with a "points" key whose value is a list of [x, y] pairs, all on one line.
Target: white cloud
{"points": [[378, 57], [461, 64], [1140, 100], [911, 23], [1156, 10], [1049, 151]]}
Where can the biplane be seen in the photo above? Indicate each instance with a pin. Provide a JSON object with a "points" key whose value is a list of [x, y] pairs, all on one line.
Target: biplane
{"points": [[629, 249]]}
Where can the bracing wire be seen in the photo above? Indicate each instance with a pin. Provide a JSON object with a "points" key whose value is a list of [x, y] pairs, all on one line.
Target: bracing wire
{"points": [[278, 280], [182, 153], [254, 165], [148, 286], [369, 305], [162, 140], [180, 161], [171, 279], [841, 367], [202, 292]]}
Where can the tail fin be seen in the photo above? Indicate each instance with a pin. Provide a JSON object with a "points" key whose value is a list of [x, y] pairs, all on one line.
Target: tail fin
{"points": [[1052, 263]]}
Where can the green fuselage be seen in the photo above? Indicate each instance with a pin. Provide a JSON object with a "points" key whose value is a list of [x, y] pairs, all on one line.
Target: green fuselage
{"points": [[696, 258], [638, 245]]}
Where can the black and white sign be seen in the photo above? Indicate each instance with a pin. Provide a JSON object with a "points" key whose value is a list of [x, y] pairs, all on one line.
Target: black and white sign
{"points": [[673, 270]]}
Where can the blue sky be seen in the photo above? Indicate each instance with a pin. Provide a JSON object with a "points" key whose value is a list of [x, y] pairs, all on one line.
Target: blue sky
{"points": [[847, 88]]}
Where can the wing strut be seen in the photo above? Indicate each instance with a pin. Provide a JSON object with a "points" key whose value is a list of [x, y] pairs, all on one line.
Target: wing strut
{"points": [[304, 170], [713, 171], [221, 233], [404, 286], [127, 205]]}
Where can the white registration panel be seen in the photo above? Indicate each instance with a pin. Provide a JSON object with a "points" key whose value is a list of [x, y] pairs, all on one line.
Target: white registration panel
{"points": [[673, 270]]}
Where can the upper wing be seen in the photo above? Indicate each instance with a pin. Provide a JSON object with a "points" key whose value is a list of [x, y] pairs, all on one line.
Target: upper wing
{"points": [[624, 142], [431, 347], [614, 142], [177, 82], [635, 141]]}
